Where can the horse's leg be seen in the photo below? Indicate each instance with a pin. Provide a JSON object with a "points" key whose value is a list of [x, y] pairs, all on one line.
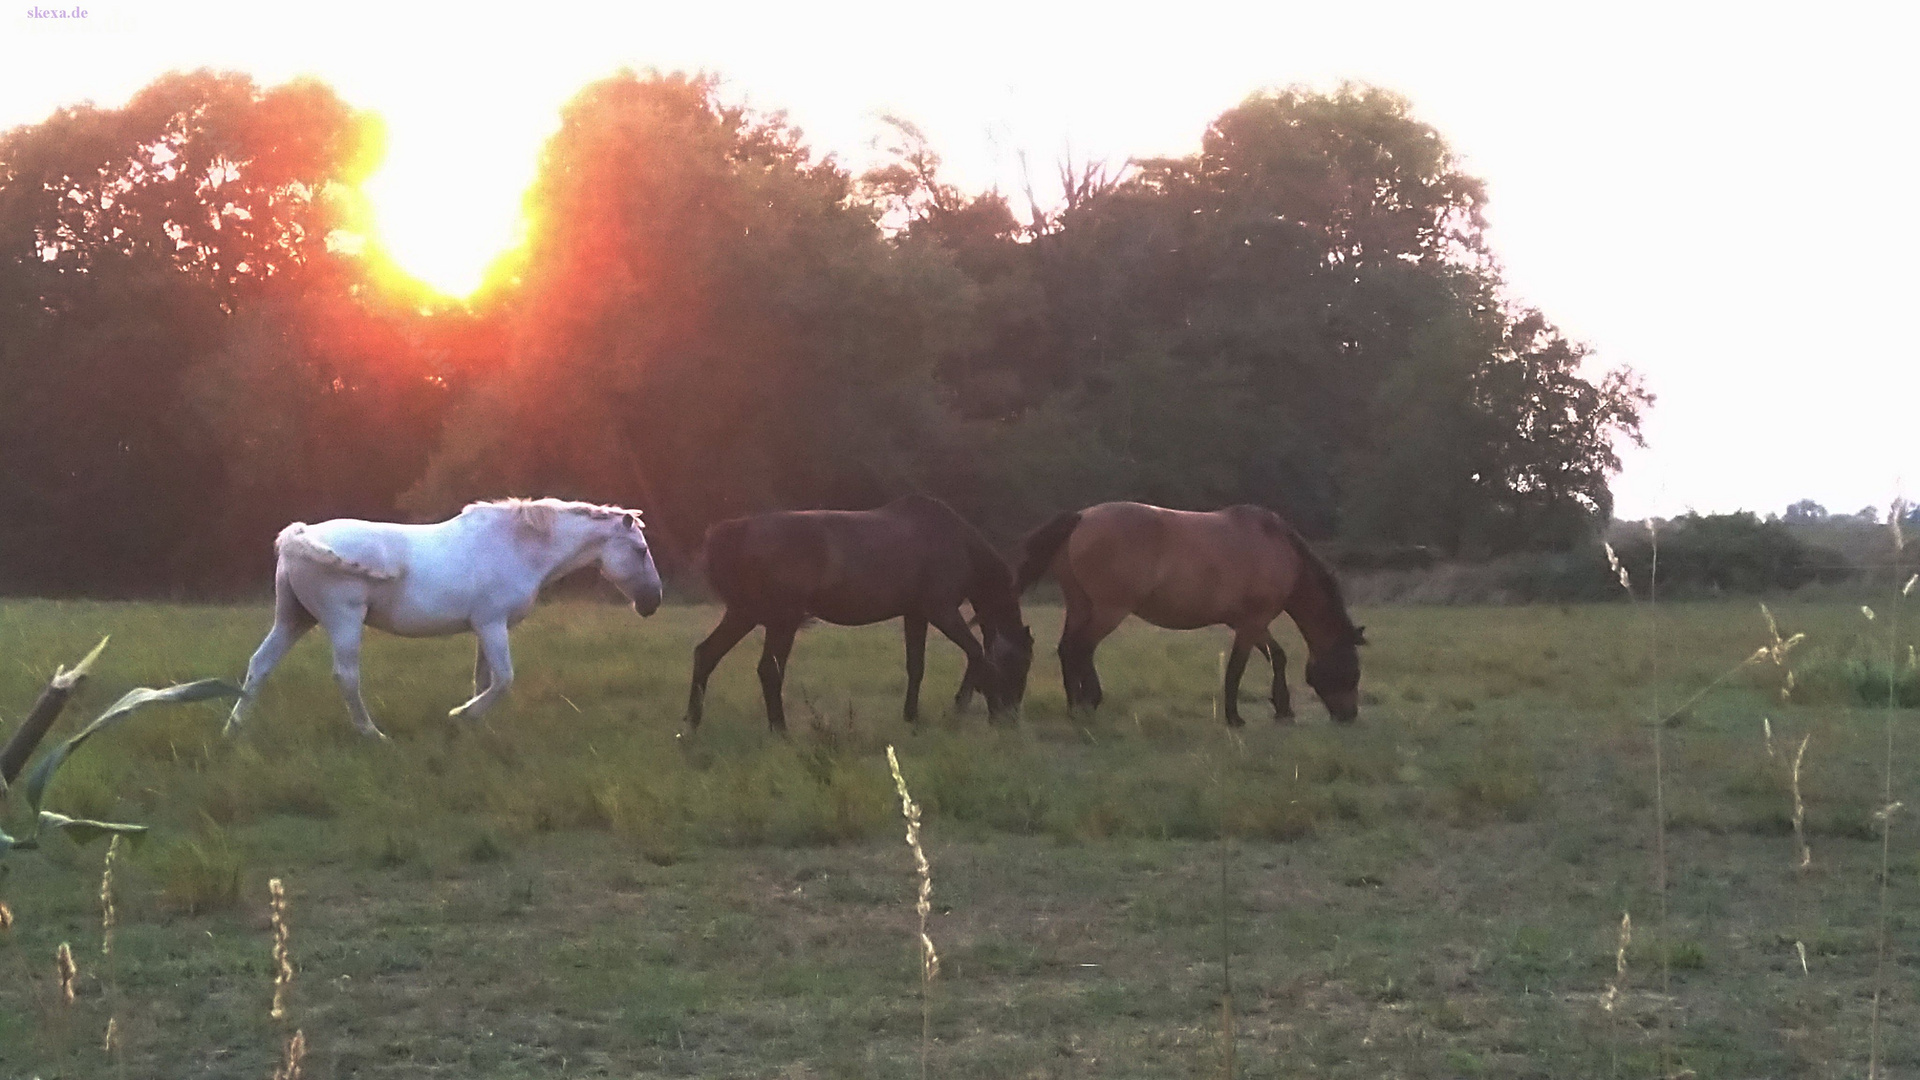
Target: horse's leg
{"points": [[916, 632], [773, 671], [498, 659], [1072, 669], [1103, 621], [979, 669], [1244, 642], [963, 697], [482, 678], [1282, 701], [344, 630], [290, 621], [706, 657]]}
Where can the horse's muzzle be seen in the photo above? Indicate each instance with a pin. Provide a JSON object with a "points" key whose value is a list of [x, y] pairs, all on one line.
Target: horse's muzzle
{"points": [[649, 607]]}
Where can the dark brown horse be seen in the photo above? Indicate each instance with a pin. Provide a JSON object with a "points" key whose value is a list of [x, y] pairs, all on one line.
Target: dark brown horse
{"points": [[913, 558], [1239, 567]]}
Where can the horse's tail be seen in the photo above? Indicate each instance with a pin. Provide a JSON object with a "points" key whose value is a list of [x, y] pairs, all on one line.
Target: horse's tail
{"points": [[295, 540], [1041, 545]]}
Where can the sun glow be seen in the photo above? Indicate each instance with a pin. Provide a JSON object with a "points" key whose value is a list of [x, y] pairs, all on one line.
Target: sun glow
{"points": [[445, 204]]}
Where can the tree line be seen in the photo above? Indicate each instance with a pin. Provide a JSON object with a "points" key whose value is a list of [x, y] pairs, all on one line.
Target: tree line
{"points": [[201, 341]]}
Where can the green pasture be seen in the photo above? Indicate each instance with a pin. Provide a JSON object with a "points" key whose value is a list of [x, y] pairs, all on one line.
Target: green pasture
{"points": [[576, 887]]}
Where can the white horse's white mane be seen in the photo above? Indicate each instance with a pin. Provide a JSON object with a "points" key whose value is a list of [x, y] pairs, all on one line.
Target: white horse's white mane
{"points": [[539, 515]]}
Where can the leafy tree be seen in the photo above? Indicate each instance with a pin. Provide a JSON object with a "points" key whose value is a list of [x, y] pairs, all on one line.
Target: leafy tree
{"points": [[706, 321], [1806, 510], [1734, 553], [128, 239], [1304, 315]]}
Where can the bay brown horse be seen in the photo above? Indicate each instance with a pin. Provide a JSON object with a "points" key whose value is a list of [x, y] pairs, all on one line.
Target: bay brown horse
{"points": [[913, 559], [1239, 567]]}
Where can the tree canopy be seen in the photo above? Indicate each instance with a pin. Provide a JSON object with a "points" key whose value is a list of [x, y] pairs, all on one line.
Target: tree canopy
{"points": [[199, 341]]}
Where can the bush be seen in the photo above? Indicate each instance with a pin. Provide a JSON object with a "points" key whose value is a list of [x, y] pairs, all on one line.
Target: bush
{"points": [[1541, 577], [1715, 553], [1853, 681]]}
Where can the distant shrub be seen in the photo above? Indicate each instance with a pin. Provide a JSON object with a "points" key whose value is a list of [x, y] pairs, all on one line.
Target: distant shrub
{"points": [[1853, 681], [1537, 577], [1739, 552]]}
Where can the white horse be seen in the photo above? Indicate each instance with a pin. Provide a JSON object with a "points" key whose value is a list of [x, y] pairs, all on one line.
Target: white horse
{"points": [[480, 571]]}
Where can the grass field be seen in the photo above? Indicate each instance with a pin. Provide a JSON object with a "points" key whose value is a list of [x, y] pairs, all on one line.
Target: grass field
{"points": [[574, 889]]}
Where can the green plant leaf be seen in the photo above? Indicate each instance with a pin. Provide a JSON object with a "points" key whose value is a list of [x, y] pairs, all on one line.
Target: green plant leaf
{"points": [[129, 703], [84, 830]]}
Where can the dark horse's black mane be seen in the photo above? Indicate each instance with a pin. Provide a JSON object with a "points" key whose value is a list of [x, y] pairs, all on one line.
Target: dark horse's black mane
{"points": [[1280, 528], [992, 578]]}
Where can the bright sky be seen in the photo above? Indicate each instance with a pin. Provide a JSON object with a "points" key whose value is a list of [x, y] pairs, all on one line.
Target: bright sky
{"points": [[1717, 195]]}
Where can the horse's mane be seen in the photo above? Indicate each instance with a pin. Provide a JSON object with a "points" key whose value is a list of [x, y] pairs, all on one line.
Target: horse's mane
{"points": [[993, 579], [1322, 573], [1316, 567], [540, 515]]}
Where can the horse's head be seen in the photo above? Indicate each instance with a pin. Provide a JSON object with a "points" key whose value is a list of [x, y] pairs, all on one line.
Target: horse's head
{"points": [[1009, 647], [1334, 674], [626, 561], [1010, 651]]}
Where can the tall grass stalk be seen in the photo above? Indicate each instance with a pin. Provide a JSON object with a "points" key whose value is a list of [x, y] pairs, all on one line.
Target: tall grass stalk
{"points": [[65, 973], [1777, 651], [1617, 989], [1228, 1035], [294, 1051], [1660, 720], [1887, 804], [292, 1055], [282, 952], [929, 958], [1226, 954], [1661, 936], [109, 919], [1805, 861]]}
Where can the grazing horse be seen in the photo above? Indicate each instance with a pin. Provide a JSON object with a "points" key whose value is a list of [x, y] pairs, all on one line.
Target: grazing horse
{"points": [[1240, 567], [480, 571], [913, 558]]}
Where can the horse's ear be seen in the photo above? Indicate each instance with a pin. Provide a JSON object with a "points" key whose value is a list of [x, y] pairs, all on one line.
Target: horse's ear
{"points": [[1359, 635]]}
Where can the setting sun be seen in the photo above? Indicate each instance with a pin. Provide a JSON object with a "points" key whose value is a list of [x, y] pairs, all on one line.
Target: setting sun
{"points": [[445, 203]]}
